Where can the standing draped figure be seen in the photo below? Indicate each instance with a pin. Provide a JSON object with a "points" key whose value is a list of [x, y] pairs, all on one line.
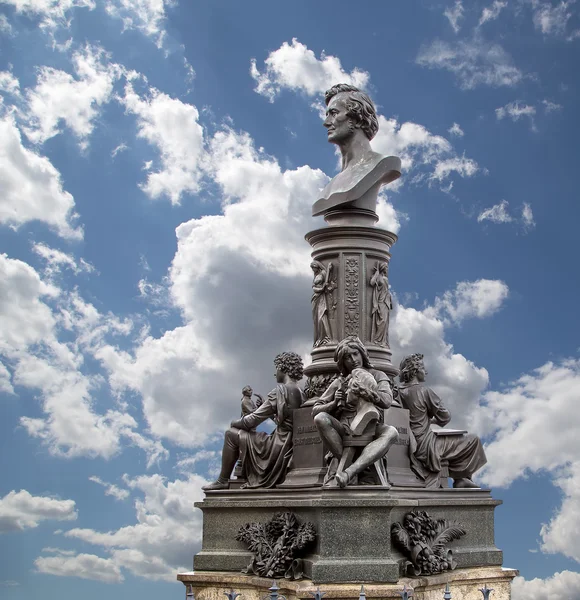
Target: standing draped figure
{"points": [[382, 303], [321, 286]]}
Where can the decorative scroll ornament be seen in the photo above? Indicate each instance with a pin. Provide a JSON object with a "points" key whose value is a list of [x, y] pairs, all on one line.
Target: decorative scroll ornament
{"points": [[351, 297], [277, 546], [423, 540]]}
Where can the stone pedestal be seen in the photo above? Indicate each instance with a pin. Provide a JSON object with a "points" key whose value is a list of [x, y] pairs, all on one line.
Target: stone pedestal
{"points": [[353, 252], [353, 528], [464, 584]]}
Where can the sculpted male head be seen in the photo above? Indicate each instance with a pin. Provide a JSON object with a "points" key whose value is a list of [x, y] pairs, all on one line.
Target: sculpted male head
{"points": [[291, 364], [410, 367], [359, 107]]}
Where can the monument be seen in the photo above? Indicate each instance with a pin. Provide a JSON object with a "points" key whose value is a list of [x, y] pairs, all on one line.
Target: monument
{"points": [[352, 486]]}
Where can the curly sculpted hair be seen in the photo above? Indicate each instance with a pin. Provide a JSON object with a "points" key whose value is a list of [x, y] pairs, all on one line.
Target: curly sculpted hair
{"points": [[409, 367], [291, 364], [359, 107]]}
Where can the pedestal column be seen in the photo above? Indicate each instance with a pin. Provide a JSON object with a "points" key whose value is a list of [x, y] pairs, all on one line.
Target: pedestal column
{"points": [[356, 303]]}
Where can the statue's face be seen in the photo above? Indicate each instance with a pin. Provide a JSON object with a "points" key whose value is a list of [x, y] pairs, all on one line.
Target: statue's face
{"points": [[353, 360], [338, 124], [421, 372]]}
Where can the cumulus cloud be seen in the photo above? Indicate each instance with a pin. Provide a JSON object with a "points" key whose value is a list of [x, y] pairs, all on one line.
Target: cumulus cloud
{"points": [[474, 62], [565, 584], [31, 187], [491, 13], [551, 19], [21, 510], [147, 16], [515, 111], [33, 316], [85, 566], [111, 489], [60, 97], [51, 13], [499, 214], [57, 260], [470, 299], [173, 128], [455, 14], [294, 66], [496, 214], [167, 532], [456, 130]]}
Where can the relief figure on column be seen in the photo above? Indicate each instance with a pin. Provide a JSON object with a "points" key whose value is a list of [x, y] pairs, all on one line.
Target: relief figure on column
{"points": [[382, 304], [349, 415], [463, 453], [322, 302], [265, 457]]}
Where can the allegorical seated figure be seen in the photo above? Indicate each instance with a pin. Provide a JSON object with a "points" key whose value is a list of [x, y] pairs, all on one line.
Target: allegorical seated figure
{"points": [[265, 456], [351, 122], [465, 454], [352, 404]]}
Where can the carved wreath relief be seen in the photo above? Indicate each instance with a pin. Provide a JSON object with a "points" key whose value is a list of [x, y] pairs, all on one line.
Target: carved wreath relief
{"points": [[278, 545], [351, 297], [423, 541]]}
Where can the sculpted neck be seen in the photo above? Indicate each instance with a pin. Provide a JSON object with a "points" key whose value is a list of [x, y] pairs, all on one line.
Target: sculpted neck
{"points": [[355, 148]]}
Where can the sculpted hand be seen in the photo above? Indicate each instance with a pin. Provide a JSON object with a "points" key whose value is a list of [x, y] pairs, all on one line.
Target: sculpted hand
{"points": [[339, 397]]}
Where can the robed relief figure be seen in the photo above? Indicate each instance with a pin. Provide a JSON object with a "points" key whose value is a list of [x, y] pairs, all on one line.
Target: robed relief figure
{"points": [[464, 453], [265, 456], [322, 287], [382, 304]]}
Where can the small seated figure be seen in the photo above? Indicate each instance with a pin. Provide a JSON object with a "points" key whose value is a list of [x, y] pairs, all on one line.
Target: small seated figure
{"points": [[248, 405], [265, 456], [464, 454], [351, 409]]}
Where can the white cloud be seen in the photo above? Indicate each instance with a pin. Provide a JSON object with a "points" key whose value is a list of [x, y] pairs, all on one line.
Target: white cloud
{"points": [[75, 101], [5, 26], [496, 214], [456, 130], [31, 188], [515, 110], [167, 532], [52, 13], [528, 216], [499, 213], [565, 584], [551, 19], [465, 167], [454, 15], [9, 84], [294, 66], [56, 261], [147, 16], [21, 510], [5, 383], [85, 566], [470, 299], [550, 106], [172, 127], [111, 489], [118, 149], [33, 315], [474, 62], [491, 13]]}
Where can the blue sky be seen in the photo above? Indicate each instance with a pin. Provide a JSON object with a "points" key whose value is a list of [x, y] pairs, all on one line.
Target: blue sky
{"points": [[158, 162]]}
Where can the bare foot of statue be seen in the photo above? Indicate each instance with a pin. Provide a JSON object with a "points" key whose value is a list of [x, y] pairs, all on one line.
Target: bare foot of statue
{"points": [[464, 483], [342, 479], [219, 484]]}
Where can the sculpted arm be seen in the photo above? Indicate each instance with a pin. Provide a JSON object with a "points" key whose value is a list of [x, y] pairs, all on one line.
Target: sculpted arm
{"points": [[435, 409], [327, 402], [384, 391], [265, 411]]}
